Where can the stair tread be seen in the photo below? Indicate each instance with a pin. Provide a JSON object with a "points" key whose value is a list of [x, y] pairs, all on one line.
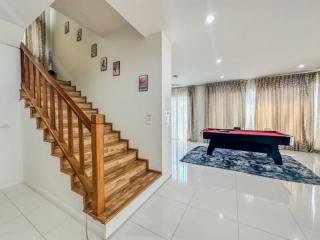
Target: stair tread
{"points": [[119, 155], [110, 159], [120, 199], [123, 174]]}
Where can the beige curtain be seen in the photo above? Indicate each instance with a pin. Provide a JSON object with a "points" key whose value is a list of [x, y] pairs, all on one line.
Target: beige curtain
{"points": [[225, 104], [286, 104], [192, 134], [317, 115], [35, 39]]}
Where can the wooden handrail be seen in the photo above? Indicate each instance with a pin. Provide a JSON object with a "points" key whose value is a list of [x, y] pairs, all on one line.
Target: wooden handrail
{"points": [[41, 90], [86, 121]]}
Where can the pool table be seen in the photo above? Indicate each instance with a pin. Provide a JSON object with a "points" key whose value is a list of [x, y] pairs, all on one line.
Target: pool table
{"points": [[247, 140]]}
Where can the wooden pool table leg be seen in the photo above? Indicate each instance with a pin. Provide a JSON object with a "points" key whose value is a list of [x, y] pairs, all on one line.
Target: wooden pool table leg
{"points": [[210, 148], [276, 155]]}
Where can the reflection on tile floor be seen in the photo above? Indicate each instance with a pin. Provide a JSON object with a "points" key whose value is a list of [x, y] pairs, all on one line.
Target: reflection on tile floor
{"points": [[196, 203]]}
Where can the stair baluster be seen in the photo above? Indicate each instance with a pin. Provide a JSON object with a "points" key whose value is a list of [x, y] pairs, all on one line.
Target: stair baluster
{"points": [[97, 131]]}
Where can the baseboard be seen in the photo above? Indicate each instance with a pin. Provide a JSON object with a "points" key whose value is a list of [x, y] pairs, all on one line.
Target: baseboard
{"points": [[125, 214], [10, 184]]}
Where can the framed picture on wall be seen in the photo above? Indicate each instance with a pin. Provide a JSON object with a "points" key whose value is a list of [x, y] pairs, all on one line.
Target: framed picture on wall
{"points": [[79, 34], [94, 50], [66, 27], [104, 64], [143, 83], [116, 68]]}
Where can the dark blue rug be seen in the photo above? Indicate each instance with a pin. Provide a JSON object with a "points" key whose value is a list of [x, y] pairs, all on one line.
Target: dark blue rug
{"points": [[253, 163]]}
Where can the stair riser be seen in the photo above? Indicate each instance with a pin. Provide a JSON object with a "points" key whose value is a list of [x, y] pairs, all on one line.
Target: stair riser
{"points": [[67, 89], [114, 186], [120, 183], [88, 111], [80, 105], [109, 167], [61, 82], [108, 129], [76, 99], [108, 150]]}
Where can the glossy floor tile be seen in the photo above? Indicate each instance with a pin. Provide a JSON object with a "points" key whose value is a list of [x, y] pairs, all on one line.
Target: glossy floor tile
{"points": [[70, 230], [177, 191], [133, 231], [18, 229], [216, 200], [160, 215], [47, 217], [197, 203], [8, 211], [268, 216], [249, 233], [24, 214], [198, 224]]}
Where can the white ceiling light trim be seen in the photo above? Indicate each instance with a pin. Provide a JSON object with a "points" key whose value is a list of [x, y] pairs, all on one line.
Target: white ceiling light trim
{"points": [[222, 77], [301, 66], [210, 19], [219, 61]]}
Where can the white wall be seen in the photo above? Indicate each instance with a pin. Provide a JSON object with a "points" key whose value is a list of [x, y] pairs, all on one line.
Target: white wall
{"points": [[22, 13], [117, 97], [10, 34], [15, 16], [10, 131], [199, 111], [166, 105]]}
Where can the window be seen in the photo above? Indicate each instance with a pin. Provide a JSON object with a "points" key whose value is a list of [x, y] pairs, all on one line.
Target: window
{"points": [[179, 106]]}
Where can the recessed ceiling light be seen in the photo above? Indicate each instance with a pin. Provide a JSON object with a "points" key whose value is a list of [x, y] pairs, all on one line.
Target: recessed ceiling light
{"points": [[301, 66], [210, 18], [222, 77], [219, 60]]}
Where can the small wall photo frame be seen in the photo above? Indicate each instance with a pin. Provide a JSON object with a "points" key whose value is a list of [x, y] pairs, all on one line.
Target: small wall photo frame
{"points": [[94, 50], [143, 83], [79, 34], [116, 68], [66, 27], [104, 64]]}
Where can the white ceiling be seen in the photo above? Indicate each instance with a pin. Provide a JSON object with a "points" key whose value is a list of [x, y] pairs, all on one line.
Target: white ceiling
{"points": [[253, 37], [97, 15], [22, 12]]}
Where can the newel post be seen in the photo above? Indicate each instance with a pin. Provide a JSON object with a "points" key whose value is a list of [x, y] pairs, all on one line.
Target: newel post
{"points": [[97, 133]]}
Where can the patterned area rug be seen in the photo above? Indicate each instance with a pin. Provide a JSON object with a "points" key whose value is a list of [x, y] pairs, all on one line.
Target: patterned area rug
{"points": [[253, 163]]}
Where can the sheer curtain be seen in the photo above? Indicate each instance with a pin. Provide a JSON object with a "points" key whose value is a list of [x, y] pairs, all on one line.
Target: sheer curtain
{"points": [[225, 104], [192, 134], [179, 109], [250, 104], [317, 115], [36, 39], [286, 103]]}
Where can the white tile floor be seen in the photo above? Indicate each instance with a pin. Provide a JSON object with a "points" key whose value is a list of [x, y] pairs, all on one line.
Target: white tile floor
{"points": [[197, 203], [24, 214]]}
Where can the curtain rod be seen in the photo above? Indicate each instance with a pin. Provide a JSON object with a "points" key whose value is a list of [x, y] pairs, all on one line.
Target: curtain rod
{"points": [[271, 75], [287, 74]]}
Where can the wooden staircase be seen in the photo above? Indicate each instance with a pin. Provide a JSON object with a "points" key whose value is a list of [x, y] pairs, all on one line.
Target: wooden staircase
{"points": [[102, 167]]}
